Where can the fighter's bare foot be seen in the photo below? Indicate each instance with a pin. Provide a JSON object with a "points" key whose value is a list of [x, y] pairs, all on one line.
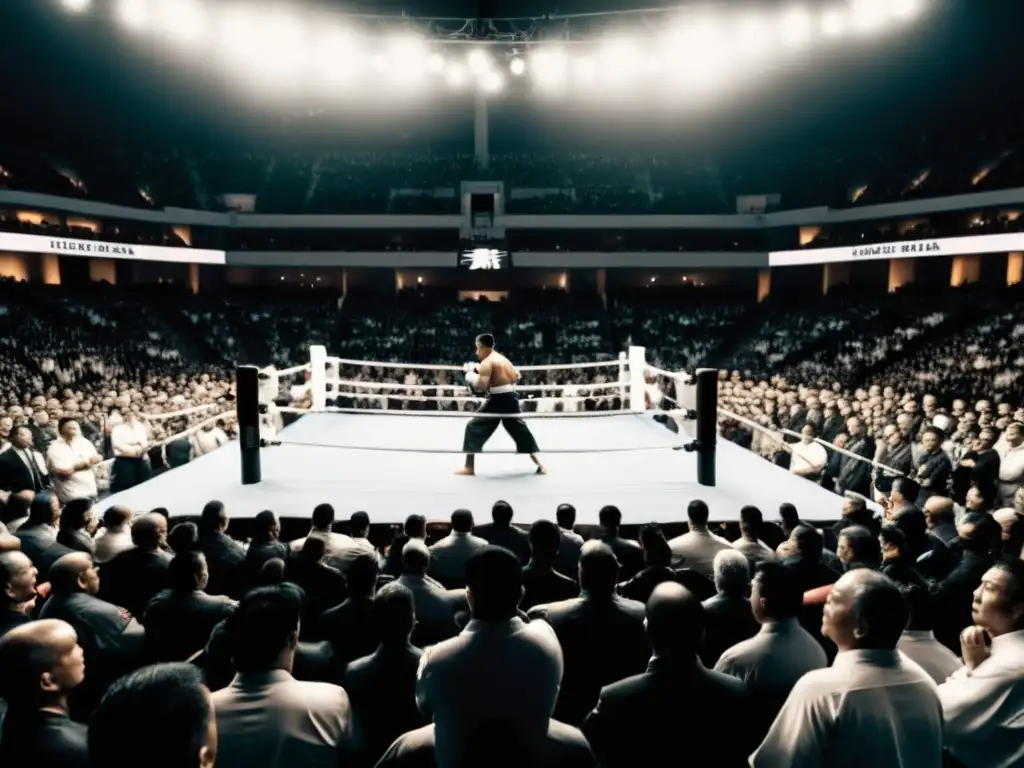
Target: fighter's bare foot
{"points": [[541, 470], [465, 471]]}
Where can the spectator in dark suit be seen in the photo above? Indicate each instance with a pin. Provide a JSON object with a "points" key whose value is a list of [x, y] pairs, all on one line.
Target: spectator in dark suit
{"points": [[501, 533], [657, 565], [17, 590], [78, 523], [932, 469], [324, 586], [42, 664], [22, 468], [627, 551], [382, 686], [179, 620], [40, 530], [643, 719], [349, 627], [415, 528], [601, 634], [541, 582], [727, 616], [135, 576], [265, 544], [224, 555], [570, 544]]}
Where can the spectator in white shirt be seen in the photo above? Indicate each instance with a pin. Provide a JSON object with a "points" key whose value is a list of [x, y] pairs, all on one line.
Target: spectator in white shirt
{"points": [[72, 459], [808, 457], [696, 549], [129, 440], [499, 668], [266, 717], [983, 702], [1011, 464], [918, 641], [208, 439], [872, 707]]}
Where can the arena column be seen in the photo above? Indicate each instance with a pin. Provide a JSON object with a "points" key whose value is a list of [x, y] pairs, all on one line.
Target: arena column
{"points": [[247, 407], [637, 383], [318, 376]]}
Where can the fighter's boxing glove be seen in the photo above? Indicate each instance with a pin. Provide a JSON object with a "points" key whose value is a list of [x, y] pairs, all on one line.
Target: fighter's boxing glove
{"points": [[472, 378]]}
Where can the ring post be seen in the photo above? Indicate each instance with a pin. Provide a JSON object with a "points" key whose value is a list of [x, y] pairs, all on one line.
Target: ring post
{"points": [[707, 424], [247, 404], [637, 386], [318, 376], [623, 376]]}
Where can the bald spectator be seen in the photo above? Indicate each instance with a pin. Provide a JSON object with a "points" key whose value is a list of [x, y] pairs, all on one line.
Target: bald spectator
{"points": [[697, 548], [941, 519], [982, 703], [773, 660], [17, 590], [499, 668], [501, 533], [335, 544], [164, 704], [116, 536], [41, 664], [15, 511], [571, 542], [675, 702], [890, 714], [601, 634], [627, 551], [448, 556], [134, 576]]}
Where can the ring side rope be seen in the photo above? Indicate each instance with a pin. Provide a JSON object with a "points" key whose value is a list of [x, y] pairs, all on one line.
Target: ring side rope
{"points": [[176, 415], [630, 388]]}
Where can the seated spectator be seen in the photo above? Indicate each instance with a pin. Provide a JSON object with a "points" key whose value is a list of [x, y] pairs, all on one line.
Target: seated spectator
{"points": [[773, 660], [571, 542], [415, 528], [627, 551], [657, 559], [224, 555], [500, 532], [135, 576], [116, 536], [179, 620], [349, 626], [435, 606], [941, 519], [696, 549], [184, 537], [728, 618], [499, 668], [918, 642], [448, 556], [322, 585], [42, 664], [164, 704], [982, 703], [39, 532], [751, 524], [677, 702], [78, 523], [265, 544], [541, 582], [859, 548], [17, 590], [382, 686], [335, 544], [891, 714], [601, 634], [359, 544], [266, 717]]}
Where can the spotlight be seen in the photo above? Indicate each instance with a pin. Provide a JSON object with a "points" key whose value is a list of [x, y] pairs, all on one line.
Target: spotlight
{"points": [[76, 6], [518, 66], [134, 14], [491, 82]]}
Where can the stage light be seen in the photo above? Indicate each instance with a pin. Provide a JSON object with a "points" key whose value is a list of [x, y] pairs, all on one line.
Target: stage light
{"points": [[134, 14], [832, 23], [906, 9], [753, 37], [796, 28], [869, 15], [491, 82], [479, 62], [76, 6], [185, 20], [586, 69], [436, 63], [548, 67], [517, 66], [455, 75]]}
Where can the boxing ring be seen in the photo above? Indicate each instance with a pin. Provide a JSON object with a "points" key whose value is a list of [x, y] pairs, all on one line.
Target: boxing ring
{"points": [[399, 455]]}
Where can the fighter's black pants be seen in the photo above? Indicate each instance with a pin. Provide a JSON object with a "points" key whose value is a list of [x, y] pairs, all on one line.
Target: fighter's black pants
{"points": [[479, 431]]}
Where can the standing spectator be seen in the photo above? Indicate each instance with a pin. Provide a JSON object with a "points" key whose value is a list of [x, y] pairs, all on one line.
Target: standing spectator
{"points": [[932, 469], [22, 468], [499, 668], [855, 473], [1011, 465], [808, 457], [42, 664], [266, 718], [129, 441], [890, 713], [72, 460], [982, 703]]}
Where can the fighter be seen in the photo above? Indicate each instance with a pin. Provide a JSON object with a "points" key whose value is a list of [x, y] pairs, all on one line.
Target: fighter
{"points": [[496, 378]]}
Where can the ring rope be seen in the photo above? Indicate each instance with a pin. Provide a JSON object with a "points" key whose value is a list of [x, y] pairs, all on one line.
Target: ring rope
{"points": [[632, 449], [465, 414], [459, 368], [465, 398], [176, 414], [462, 387], [172, 438]]}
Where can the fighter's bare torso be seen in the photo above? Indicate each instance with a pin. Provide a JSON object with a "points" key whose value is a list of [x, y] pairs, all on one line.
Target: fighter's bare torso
{"points": [[499, 370]]}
